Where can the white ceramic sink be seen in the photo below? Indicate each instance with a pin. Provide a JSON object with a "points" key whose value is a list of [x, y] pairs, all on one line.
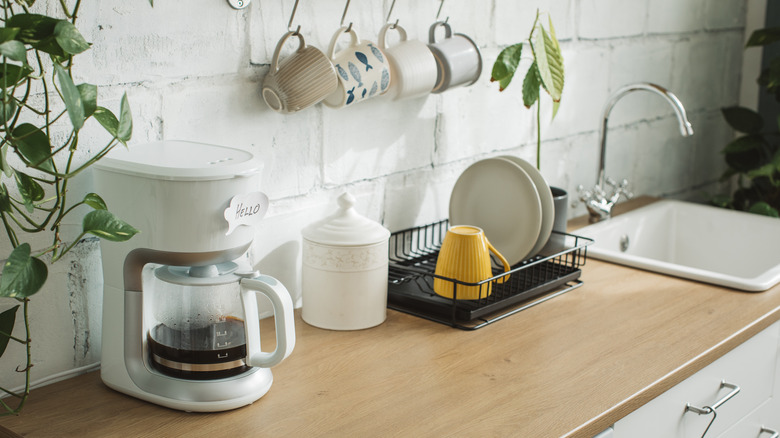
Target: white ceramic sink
{"points": [[699, 242]]}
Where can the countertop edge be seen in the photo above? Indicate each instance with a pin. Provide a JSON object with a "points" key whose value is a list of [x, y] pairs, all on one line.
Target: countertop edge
{"points": [[696, 364]]}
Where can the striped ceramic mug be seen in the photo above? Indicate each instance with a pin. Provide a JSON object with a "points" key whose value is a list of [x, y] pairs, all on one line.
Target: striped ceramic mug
{"points": [[465, 258], [300, 80]]}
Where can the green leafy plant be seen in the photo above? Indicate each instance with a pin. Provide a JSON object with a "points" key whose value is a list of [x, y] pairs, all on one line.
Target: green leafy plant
{"points": [[42, 114], [545, 73], [754, 156]]}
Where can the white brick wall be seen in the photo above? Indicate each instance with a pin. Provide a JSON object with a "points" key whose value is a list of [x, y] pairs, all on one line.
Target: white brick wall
{"points": [[192, 71]]}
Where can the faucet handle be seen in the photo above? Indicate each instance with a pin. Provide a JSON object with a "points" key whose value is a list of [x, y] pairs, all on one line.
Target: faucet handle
{"points": [[625, 189], [618, 190], [587, 195]]}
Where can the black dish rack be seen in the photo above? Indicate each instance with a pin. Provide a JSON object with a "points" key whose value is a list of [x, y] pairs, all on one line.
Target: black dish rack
{"points": [[413, 254]]}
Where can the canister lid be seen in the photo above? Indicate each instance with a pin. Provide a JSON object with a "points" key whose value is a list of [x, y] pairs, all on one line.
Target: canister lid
{"points": [[346, 227], [180, 161]]}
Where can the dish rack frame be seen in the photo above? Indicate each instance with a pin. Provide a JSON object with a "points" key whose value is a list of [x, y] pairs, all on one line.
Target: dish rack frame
{"points": [[412, 263]]}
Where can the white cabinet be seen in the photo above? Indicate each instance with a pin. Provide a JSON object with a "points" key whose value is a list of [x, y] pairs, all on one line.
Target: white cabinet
{"points": [[752, 366]]}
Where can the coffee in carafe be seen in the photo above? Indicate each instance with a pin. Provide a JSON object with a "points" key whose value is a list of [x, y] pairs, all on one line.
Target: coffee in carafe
{"points": [[213, 352]]}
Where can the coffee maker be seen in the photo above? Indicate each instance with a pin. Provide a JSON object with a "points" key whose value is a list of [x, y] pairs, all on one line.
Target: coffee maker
{"points": [[180, 315]]}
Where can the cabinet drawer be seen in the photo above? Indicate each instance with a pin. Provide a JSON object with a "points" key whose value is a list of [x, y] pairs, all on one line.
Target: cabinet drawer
{"points": [[760, 424], [751, 366]]}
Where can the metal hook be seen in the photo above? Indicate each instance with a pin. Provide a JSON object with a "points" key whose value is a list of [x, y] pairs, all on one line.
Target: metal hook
{"points": [[390, 13], [438, 13], [344, 15], [292, 16]]}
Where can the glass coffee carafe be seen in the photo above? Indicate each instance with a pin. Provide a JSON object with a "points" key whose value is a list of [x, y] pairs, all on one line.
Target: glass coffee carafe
{"points": [[200, 320]]}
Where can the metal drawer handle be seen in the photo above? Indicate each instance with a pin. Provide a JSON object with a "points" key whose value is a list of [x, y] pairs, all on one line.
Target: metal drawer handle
{"points": [[768, 430], [706, 410]]}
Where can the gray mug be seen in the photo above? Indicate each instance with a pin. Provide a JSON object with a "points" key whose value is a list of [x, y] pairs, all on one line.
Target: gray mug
{"points": [[457, 57]]}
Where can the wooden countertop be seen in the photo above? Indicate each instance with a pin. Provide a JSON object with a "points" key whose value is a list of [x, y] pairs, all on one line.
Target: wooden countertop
{"points": [[570, 367]]}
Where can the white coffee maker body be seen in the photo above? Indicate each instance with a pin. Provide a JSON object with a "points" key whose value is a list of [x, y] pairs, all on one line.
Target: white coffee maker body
{"points": [[176, 194]]}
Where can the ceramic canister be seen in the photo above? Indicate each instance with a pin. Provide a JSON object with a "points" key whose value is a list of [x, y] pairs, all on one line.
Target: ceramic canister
{"points": [[344, 275]]}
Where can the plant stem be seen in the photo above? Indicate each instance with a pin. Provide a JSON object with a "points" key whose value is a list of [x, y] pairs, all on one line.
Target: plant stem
{"points": [[13, 338], [56, 257], [539, 134]]}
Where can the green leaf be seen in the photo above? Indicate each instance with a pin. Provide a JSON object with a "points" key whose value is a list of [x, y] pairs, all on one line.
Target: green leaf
{"points": [[549, 61], [722, 201], [104, 224], [506, 65], [125, 129], [29, 189], [762, 37], [151, 2], [88, 94], [69, 38], [5, 200], [748, 152], [13, 74], [7, 322], [33, 145], [766, 171], [22, 275], [7, 109], [8, 33], [531, 84], [26, 2], [770, 77], [33, 28], [107, 119], [71, 97], [4, 166], [763, 208], [14, 50], [95, 201], [743, 119], [744, 143]]}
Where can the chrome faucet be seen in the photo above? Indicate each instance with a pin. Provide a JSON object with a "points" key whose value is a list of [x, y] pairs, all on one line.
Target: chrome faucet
{"points": [[598, 202]]}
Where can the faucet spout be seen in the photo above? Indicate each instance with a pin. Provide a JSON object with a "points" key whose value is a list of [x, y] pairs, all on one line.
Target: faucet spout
{"points": [[598, 202], [686, 129]]}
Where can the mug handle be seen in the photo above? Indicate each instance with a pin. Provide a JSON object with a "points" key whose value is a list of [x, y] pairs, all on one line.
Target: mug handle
{"points": [[383, 34], [432, 31], [283, 320], [503, 261], [278, 51], [335, 38]]}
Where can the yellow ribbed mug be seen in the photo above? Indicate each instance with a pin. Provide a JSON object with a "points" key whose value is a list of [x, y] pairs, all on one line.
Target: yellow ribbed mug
{"points": [[465, 256]]}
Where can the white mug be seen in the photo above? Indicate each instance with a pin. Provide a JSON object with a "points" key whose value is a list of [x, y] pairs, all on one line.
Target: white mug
{"points": [[458, 59], [362, 68], [412, 65]]}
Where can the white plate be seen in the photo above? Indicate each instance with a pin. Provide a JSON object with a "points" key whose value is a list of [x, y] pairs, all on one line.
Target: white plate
{"points": [[546, 198], [499, 197]]}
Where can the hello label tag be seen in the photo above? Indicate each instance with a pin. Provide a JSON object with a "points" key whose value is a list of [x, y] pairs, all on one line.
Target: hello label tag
{"points": [[246, 209]]}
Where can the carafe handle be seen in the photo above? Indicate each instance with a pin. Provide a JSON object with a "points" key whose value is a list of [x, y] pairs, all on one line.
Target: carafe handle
{"points": [[283, 320]]}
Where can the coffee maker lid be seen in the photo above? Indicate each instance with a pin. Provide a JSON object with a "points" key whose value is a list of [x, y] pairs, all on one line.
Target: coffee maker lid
{"points": [[209, 275], [180, 161], [346, 227]]}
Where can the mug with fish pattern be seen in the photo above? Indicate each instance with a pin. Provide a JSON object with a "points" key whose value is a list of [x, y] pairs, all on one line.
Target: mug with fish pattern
{"points": [[362, 69]]}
